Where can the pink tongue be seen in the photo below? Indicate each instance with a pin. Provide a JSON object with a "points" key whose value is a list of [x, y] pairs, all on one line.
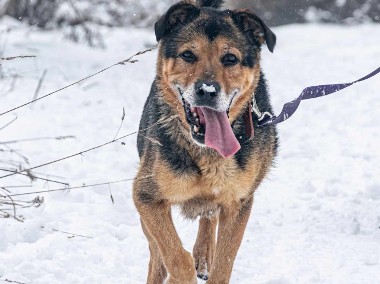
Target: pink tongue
{"points": [[219, 134]]}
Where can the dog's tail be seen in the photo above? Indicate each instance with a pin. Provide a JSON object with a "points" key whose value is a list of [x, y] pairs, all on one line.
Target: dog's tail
{"points": [[211, 3]]}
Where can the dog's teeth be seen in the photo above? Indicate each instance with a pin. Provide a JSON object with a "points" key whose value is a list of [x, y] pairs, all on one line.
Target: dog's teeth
{"points": [[197, 120], [196, 129], [194, 114]]}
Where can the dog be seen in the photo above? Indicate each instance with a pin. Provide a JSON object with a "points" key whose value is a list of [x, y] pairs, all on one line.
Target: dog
{"points": [[199, 143]]}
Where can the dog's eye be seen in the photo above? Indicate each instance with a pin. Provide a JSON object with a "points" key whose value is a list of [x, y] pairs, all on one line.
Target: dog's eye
{"points": [[229, 60], [188, 56]]}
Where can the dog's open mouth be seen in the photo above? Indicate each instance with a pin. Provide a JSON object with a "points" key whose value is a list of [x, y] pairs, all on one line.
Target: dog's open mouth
{"points": [[211, 128]]}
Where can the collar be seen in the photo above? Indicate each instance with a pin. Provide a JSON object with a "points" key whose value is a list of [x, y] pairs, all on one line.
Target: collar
{"points": [[263, 117]]}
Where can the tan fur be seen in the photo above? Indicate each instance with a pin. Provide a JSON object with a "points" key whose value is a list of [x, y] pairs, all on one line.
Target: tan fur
{"points": [[176, 70], [216, 181], [162, 235], [224, 186], [157, 271], [222, 193], [204, 248]]}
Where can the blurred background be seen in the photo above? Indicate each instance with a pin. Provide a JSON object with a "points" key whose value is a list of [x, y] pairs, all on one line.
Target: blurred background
{"points": [[82, 19]]}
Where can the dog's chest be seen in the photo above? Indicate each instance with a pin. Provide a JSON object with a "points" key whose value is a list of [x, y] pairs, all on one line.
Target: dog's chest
{"points": [[219, 183]]}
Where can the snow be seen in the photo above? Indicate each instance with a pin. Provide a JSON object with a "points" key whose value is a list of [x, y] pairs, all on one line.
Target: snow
{"points": [[208, 88], [315, 219]]}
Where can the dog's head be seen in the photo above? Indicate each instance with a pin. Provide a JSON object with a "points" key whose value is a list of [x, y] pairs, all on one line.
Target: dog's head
{"points": [[209, 62]]}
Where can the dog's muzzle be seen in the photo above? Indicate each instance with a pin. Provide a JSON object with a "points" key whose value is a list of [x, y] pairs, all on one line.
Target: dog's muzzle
{"points": [[209, 126]]}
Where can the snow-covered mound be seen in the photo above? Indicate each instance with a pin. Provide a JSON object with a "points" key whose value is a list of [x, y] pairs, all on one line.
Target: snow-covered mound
{"points": [[315, 219]]}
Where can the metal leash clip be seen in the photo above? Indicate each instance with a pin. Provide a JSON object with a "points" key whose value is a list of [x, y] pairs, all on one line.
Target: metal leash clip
{"points": [[264, 117]]}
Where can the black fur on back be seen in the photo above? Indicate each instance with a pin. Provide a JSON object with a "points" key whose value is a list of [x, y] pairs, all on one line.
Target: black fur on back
{"points": [[211, 3]]}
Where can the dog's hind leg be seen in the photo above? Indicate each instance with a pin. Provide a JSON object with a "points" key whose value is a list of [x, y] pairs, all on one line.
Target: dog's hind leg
{"points": [[232, 223], [204, 248], [157, 271]]}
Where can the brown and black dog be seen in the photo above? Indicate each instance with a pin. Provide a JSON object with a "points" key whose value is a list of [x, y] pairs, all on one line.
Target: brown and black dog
{"points": [[196, 146]]}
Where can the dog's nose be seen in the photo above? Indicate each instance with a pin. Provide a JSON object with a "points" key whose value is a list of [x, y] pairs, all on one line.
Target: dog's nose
{"points": [[207, 90]]}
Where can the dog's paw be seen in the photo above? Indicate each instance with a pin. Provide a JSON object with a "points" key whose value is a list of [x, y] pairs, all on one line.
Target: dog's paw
{"points": [[203, 276], [182, 270], [180, 281], [202, 268]]}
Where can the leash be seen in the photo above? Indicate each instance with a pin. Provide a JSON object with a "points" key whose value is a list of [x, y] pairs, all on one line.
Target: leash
{"points": [[266, 118]]}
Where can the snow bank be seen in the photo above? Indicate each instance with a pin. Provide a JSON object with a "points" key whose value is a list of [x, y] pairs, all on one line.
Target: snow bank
{"points": [[315, 219]]}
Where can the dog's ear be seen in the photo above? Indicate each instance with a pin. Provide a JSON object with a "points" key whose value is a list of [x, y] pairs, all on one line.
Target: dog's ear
{"points": [[179, 14], [254, 28]]}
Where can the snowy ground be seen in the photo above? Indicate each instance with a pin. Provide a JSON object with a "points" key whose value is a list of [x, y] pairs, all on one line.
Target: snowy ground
{"points": [[316, 218]]}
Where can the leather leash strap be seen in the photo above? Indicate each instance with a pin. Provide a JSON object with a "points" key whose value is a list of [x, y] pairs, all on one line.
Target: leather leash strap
{"points": [[308, 93]]}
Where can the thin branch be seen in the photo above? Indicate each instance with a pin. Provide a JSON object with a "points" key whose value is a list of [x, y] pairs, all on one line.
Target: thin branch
{"points": [[7, 215], [111, 196], [34, 176], [123, 62], [9, 123], [72, 235], [4, 214], [36, 202], [121, 124], [26, 160], [13, 205], [12, 281], [93, 148], [39, 85], [37, 139], [16, 57], [77, 187]]}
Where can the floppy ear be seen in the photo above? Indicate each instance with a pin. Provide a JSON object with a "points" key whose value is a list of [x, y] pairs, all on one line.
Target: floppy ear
{"points": [[178, 14], [255, 28]]}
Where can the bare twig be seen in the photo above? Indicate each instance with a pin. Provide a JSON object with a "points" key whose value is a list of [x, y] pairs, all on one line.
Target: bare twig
{"points": [[33, 177], [26, 160], [121, 124], [72, 235], [16, 57], [123, 62], [36, 202], [37, 139], [8, 205], [7, 215], [93, 148], [77, 187], [13, 205], [9, 123], [109, 187], [39, 86], [12, 281]]}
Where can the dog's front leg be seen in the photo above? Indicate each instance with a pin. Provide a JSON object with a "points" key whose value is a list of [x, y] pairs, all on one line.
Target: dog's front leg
{"points": [[157, 271], [157, 220], [232, 223], [204, 247]]}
